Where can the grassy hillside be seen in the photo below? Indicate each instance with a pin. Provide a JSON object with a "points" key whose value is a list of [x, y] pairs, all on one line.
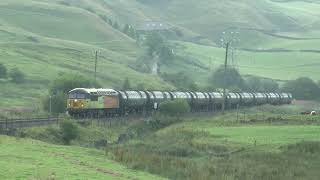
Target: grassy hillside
{"points": [[200, 61], [30, 159], [48, 38]]}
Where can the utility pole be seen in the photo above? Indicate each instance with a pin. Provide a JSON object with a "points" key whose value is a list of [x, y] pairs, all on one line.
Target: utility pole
{"points": [[50, 105], [225, 79], [95, 67]]}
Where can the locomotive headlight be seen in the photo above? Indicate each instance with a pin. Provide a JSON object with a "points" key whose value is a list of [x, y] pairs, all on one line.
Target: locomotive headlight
{"points": [[76, 100]]}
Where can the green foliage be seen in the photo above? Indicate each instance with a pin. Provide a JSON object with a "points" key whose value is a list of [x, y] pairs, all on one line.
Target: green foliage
{"points": [[157, 45], [269, 85], [302, 88], [69, 130], [253, 84], [174, 108], [3, 71], [17, 76], [181, 80], [230, 78], [143, 64], [256, 84], [67, 82], [58, 103], [126, 29], [59, 89], [115, 25]]}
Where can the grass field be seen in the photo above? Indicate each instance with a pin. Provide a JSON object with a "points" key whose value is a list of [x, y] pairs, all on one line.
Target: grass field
{"points": [[265, 145], [46, 38], [275, 65], [30, 159], [259, 143]]}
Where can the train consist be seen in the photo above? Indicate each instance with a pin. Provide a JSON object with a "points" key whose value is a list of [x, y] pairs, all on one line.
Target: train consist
{"points": [[109, 102]]}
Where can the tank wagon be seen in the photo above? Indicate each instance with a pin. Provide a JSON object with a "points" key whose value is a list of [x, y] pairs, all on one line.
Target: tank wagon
{"points": [[110, 102]]}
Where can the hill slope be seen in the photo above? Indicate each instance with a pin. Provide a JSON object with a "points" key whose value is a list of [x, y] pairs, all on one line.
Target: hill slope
{"points": [[45, 38], [30, 159]]}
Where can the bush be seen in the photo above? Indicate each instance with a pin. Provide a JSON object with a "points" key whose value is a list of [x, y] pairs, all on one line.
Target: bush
{"points": [[174, 108], [3, 71], [69, 130], [303, 88], [232, 79], [17, 76], [181, 80], [67, 82], [58, 103]]}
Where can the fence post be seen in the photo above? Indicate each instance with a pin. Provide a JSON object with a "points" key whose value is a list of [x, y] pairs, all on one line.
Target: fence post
{"points": [[238, 113], [6, 126]]}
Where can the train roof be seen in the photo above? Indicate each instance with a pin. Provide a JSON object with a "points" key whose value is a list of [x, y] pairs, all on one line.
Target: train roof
{"points": [[94, 91]]}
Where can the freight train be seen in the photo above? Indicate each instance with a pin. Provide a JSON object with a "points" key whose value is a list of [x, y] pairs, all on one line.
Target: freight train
{"points": [[84, 102]]}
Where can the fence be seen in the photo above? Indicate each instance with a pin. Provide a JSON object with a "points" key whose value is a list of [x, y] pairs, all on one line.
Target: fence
{"points": [[8, 124]]}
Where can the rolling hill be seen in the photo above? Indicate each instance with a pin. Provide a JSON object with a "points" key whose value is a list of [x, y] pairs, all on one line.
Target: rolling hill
{"points": [[46, 38]]}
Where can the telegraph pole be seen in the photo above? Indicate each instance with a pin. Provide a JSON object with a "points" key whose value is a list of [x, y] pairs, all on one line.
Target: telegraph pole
{"points": [[225, 79], [95, 67]]}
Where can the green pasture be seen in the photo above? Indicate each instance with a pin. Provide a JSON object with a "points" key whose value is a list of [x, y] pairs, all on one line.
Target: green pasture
{"points": [[48, 38], [30, 159], [275, 65]]}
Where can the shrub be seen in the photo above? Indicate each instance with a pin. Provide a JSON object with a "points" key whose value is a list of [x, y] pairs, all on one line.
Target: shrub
{"points": [[67, 82], [69, 130], [17, 76], [60, 87], [58, 103], [228, 79], [174, 108], [3, 71], [303, 88]]}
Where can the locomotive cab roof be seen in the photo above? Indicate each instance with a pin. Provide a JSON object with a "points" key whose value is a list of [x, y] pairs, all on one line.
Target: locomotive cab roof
{"points": [[97, 92]]}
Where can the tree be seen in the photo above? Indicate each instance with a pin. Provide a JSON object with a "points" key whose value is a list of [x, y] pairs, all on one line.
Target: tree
{"points": [[302, 88], [59, 89], [174, 108], [126, 84], [253, 84], [181, 80], [69, 130], [132, 32], [67, 82], [269, 85], [165, 54], [110, 22], [17, 76], [3, 71], [154, 43], [115, 25], [126, 29], [58, 103], [232, 78]]}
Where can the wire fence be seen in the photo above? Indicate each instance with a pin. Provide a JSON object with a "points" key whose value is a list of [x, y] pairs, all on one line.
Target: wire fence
{"points": [[8, 124]]}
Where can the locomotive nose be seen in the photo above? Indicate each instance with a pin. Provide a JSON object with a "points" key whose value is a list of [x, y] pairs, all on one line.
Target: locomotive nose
{"points": [[75, 103]]}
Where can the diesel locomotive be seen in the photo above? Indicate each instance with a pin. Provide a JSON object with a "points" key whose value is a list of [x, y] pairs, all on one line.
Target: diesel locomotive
{"points": [[109, 102]]}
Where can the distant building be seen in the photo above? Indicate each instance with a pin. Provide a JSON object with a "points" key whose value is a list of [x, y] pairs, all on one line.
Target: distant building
{"points": [[153, 26]]}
